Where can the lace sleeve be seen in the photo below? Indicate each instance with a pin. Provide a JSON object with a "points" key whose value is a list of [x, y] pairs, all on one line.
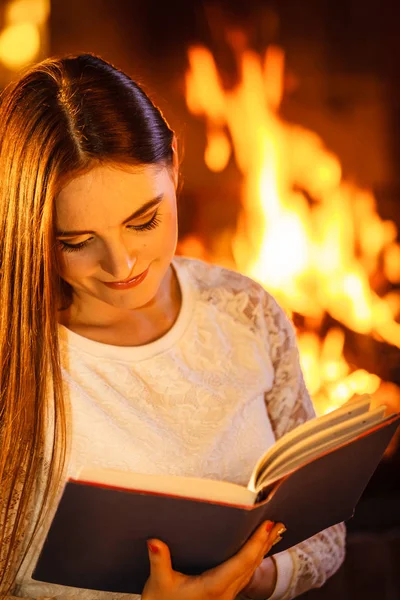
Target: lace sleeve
{"points": [[288, 404]]}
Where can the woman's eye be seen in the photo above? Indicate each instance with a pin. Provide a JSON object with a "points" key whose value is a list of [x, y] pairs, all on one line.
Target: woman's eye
{"points": [[151, 224], [65, 247]]}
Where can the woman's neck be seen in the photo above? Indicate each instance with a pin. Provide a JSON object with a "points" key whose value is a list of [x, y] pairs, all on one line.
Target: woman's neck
{"points": [[128, 328]]}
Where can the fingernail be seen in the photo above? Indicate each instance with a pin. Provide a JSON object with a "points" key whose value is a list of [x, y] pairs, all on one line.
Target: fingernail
{"points": [[152, 547], [276, 540], [269, 526], [281, 530]]}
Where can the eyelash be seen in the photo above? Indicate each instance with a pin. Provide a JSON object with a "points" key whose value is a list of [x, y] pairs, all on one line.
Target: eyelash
{"points": [[152, 224]]}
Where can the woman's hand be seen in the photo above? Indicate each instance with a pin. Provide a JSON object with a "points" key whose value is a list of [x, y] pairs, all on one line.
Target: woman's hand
{"points": [[263, 581], [220, 583]]}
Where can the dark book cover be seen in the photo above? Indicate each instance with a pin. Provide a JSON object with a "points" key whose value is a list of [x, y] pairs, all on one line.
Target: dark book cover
{"points": [[97, 539]]}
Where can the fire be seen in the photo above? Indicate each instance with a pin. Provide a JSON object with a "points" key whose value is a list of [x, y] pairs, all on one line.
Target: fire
{"points": [[312, 239]]}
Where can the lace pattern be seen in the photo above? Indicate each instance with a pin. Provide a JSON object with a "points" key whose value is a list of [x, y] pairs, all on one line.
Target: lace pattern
{"points": [[239, 341], [288, 404]]}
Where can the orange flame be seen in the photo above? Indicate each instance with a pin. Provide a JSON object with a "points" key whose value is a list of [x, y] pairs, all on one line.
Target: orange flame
{"points": [[315, 257]]}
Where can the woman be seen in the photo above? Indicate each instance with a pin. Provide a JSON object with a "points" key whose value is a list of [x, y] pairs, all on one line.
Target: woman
{"points": [[114, 352]]}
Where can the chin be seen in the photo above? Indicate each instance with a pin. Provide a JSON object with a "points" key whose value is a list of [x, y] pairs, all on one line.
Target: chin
{"points": [[132, 299], [132, 304]]}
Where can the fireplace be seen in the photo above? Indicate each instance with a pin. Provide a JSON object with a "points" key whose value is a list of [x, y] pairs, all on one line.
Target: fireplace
{"points": [[287, 117], [314, 239]]}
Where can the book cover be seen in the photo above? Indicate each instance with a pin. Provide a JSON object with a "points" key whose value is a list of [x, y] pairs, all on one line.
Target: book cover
{"points": [[97, 539]]}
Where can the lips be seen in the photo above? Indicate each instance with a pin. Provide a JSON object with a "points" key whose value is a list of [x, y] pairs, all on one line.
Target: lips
{"points": [[128, 280], [121, 285]]}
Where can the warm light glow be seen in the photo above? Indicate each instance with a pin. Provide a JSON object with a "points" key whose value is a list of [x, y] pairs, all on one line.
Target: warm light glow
{"points": [[218, 151], [358, 382], [312, 239], [203, 69], [19, 45], [392, 263], [27, 11]]}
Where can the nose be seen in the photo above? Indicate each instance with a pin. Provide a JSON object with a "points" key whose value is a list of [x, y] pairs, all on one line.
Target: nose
{"points": [[118, 260]]}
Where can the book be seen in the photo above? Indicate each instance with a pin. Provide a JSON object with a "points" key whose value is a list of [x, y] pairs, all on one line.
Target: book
{"points": [[310, 479]]}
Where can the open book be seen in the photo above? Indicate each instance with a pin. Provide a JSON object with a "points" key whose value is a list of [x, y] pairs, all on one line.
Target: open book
{"points": [[310, 479]]}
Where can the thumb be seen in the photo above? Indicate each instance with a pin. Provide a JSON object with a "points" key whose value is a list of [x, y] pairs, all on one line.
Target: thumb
{"points": [[160, 562]]}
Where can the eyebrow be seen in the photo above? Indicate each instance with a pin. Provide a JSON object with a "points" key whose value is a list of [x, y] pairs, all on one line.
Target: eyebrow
{"points": [[138, 213]]}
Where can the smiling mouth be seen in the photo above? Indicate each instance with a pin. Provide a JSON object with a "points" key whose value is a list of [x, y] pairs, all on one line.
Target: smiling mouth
{"points": [[125, 281], [128, 282]]}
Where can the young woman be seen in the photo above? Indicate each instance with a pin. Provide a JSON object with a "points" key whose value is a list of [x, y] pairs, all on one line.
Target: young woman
{"points": [[115, 352]]}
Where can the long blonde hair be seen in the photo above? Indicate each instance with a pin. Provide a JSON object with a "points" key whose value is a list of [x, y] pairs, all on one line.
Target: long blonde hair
{"points": [[58, 119]]}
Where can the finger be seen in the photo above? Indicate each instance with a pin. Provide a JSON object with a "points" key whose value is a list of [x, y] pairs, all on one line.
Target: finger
{"points": [[244, 563], [161, 572], [248, 577], [277, 530], [251, 553], [275, 536]]}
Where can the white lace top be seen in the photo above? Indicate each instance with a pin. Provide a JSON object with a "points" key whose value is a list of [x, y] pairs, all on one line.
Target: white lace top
{"points": [[205, 400]]}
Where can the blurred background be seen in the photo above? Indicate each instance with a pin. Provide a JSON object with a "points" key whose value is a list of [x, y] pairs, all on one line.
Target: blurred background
{"points": [[288, 120]]}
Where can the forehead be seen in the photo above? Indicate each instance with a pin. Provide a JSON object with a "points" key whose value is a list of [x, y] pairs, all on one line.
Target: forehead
{"points": [[109, 193]]}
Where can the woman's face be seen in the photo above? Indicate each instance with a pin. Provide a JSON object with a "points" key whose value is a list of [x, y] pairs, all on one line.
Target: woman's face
{"points": [[115, 223]]}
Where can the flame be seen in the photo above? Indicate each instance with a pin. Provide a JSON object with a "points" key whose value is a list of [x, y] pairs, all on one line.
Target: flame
{"points": [[311, 238]]}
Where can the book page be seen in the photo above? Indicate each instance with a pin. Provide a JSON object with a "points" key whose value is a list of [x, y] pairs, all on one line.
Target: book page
{"points": [[318, 441], [306, 430], [322, 443], [188, 487]]}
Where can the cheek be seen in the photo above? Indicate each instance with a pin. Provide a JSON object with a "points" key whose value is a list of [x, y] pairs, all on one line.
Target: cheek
{"points": [[171, 226], [164, 237], [75, 265]]}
